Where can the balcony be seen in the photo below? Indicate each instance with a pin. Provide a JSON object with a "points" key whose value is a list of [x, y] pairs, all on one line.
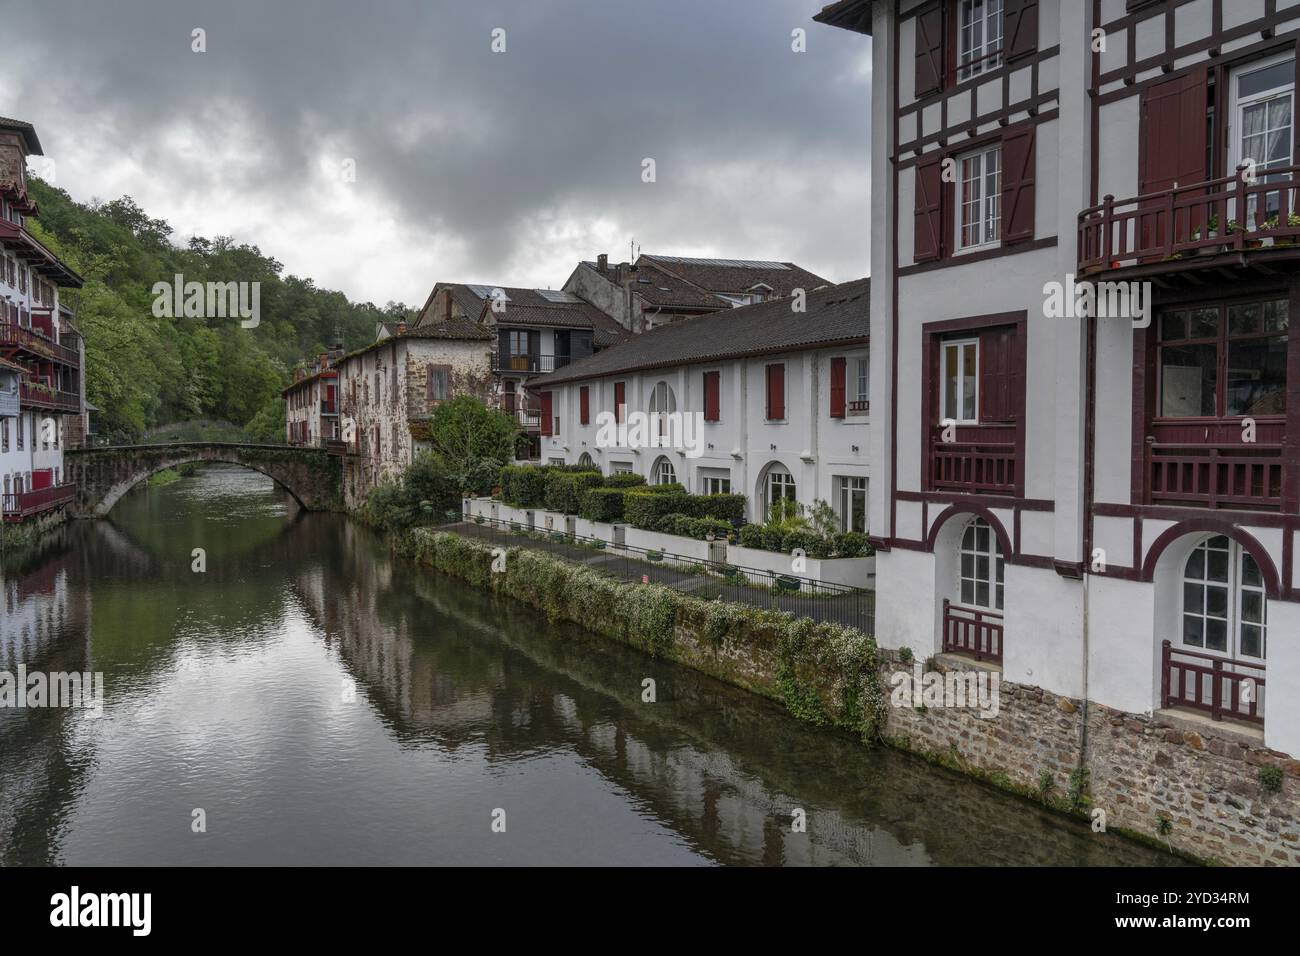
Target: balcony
{"points": [[1215, 476], [976, 632], [529, 363], [983, 460], [36, 395], [1217, 686], [25, 504], [1231, 221], [16, 337]]}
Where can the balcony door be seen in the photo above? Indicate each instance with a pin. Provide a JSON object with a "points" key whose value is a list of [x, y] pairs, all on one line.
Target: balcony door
{"points": [[1225, 610], [1261, 129]]}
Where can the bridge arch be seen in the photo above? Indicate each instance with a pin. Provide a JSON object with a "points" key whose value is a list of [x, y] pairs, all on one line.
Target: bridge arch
{"points": [[312, 476]]}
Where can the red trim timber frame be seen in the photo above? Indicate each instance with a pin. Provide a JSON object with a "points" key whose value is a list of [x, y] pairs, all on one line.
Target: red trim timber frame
{"points": [[988, 456]]}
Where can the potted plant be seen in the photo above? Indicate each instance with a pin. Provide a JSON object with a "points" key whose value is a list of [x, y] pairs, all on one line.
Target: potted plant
{"points": [[654, 556], [787, 583]]}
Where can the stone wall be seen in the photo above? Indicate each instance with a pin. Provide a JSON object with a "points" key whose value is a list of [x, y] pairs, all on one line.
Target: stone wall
{"points": [[1203, 779]]}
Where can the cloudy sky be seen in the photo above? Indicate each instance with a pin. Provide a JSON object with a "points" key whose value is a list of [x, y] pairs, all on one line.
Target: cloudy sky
{"points": [[470, 165]]}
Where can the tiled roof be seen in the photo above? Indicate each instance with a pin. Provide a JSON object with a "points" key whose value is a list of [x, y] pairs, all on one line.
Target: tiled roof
{"points": [[533, 308], [736, 275], [836, 314], [26, 130], [852, 15]]}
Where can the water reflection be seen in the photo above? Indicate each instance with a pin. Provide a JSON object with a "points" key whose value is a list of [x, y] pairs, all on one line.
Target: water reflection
{"points": [[323, 703]]}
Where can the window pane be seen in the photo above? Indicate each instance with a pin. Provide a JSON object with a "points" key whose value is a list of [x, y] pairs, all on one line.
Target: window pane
{"points": [[1252, 607], [1250, 575], [1216, 635], [1269, 78], [1193, 631], [1257, 376], [1193, 599], [1276, 316], [950, 381], [968, 383], [1173, 326], [1252, 641], [1217, 566], [1204, 324], [1244, 319], [1188, 379], [1216, 602]]}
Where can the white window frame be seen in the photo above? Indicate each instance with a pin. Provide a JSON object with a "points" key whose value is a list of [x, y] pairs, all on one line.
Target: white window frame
{"points": [[848, 489], [995, 580], [977, 59], [778, 477], [946, 412], [1237, 124], [1236, 590], [713, 483], [663, 467], [989, 202]]}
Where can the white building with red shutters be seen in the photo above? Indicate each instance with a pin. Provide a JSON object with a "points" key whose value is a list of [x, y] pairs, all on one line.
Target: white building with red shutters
{"points": [[1103, 507], [42, 394], [777, 399]]}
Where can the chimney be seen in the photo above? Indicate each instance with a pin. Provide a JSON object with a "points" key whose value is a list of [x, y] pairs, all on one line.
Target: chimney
{"points": [[401, 328], [602, 262]]}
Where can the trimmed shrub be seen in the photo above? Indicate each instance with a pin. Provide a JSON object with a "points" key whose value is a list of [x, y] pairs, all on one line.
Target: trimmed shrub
{"points": [[601, 504], [774, 537], [723, 507], [626, 479], [645, 509], [806, 541], [751, 536], [564, 489], [852, 544], [523, 486], [667, 489]]}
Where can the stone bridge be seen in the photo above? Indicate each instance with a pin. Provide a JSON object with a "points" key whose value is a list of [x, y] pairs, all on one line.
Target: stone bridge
{"points": [[103, 475]]}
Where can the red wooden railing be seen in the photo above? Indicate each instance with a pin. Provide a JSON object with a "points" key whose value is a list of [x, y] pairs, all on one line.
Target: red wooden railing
{"points": [[1229, 476], [1229, 214], [972, 630], [16, 335], [1221, 688], [35, 395], [24, 504], [987, 463]]}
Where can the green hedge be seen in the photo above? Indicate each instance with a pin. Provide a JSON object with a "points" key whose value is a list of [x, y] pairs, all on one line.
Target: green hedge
{"points": [[723, 507], [625, 479], [564, 490], [846, 544], [523, 486], [602, 504], [824, 673], [645, 509], [691, 527]]}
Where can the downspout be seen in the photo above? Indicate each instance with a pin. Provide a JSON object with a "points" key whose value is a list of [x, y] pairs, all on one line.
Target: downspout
{"points": [[1089, 439]]}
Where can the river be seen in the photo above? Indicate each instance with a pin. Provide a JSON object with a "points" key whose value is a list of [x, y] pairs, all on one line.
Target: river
{"points": [[309, 699]]}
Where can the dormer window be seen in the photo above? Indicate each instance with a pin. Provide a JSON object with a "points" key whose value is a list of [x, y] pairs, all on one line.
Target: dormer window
{"points": [[979, 37]]}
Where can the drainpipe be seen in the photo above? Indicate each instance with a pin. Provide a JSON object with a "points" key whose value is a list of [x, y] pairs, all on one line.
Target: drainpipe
{"points": [[1089, 433]]}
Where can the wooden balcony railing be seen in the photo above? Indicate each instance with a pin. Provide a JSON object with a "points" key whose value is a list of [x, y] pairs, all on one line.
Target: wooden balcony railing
{"points": [[971, 630], [519, 362], [36, 395], [1214, 476], [1233, 214], [1220, 687], [17, 336], [24, 504], [987, 463]]}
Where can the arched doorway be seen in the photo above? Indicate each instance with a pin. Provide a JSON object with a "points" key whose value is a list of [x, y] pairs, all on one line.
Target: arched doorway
{"points": [[973, 591], [663, 472], [1213, 649]]}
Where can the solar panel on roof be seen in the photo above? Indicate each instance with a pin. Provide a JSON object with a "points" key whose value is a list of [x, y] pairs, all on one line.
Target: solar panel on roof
{"points": [[487, 291], [557, 295], [729, 263]]}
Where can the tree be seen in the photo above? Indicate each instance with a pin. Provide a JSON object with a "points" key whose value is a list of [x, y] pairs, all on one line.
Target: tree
{"points": [[464, 431]]}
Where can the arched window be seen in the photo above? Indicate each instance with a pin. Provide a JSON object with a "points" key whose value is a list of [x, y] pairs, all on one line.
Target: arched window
{"points": [[981, 566], [663, 472], [779, 488], [662, 402], [585, 460], [1224, 605]]}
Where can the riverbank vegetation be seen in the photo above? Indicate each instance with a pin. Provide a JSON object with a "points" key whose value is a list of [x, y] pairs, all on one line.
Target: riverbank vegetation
{"points": [[824, 673]]}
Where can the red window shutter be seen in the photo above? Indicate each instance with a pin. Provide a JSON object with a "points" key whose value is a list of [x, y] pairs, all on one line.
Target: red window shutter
{"points": [[1020, 28], [1173, 133], [775, 393], [839, 384], [927, 239], [546, 413], [1000, 385], [584, 405], [620, 401], [712, 396], [929, 50], [1018, 175]]}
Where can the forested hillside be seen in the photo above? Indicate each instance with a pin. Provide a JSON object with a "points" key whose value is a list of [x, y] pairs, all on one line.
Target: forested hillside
{"points": [[144, 371]]}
